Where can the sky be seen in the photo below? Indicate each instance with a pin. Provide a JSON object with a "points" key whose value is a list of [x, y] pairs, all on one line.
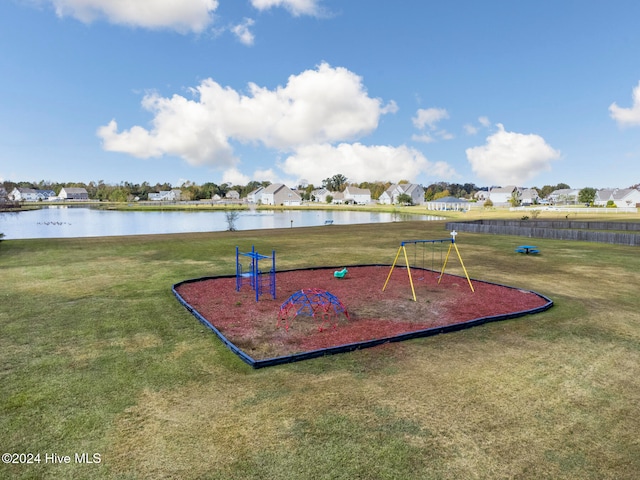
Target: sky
{"points": [[498, 92]]}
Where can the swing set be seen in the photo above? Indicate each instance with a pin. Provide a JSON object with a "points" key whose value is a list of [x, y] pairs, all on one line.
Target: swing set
{"points": [[403, 249]]}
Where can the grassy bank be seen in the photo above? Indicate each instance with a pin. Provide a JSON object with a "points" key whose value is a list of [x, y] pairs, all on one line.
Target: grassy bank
{"points": [[98, 357]]}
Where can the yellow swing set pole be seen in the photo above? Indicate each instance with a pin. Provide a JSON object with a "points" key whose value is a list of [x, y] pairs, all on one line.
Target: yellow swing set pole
{"points": [[392, 267], [406, 259], [453, 244]]}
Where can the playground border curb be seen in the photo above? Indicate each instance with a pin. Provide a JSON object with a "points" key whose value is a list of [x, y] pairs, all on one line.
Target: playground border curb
{"points": [[349, 347]]}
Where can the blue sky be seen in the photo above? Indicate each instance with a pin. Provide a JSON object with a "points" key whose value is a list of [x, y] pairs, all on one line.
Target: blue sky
{"points": [[499, 92]]}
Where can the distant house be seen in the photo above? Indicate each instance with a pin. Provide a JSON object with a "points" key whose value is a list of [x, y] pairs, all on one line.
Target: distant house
{"points": [[621, 197], [255, 196], [448, 203], [232, 195], [360, 196], [23, 195], [279, 194], [503, 195], [415, 191], [564, 196], [337, 198], [529, 196], [481, 195], [320, 195], [71, 193], [30, 194], [165, 195]]}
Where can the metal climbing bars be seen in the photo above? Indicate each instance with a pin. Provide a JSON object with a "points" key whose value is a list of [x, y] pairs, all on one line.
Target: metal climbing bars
{"points": [[252, 275]]}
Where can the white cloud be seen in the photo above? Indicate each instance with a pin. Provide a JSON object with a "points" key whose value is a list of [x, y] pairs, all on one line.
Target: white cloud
{"points": [[510, 158], [361, 163], [470, 129], [296, 7], [235, 177], [266, 175], [243, 33], [627, 117], [473, 129], [429, 117], [324, 105], [423, 138], [180, 15]]}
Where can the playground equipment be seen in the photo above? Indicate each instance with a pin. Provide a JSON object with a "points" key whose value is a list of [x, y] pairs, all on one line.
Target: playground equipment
{"points": [[315, 303], [252, 275], [402, 249], [340, 273]]}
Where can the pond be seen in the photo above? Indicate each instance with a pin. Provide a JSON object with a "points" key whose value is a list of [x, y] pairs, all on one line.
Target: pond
{"points": [[67, 221]]}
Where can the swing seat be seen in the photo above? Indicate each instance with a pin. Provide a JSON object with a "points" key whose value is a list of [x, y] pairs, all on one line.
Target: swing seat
{"points": [[340, 273]]}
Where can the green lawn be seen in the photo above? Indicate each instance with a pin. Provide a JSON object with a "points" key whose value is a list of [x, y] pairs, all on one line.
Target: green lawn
{"points": [[97, 356]]}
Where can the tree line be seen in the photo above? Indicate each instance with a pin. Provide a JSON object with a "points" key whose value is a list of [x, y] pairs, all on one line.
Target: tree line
{"points": [[129, 191]]}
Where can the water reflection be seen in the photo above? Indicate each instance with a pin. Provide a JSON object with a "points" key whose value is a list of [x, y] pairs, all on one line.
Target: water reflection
{"points": [[63, 221]]}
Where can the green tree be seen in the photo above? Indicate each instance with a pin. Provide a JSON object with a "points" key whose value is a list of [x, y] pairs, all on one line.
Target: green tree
{"points": [[405, 199], [119, 195], [337, 183], [515, 199], [587, 195]]}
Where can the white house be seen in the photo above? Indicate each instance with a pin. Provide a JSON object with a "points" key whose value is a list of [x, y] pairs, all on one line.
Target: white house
{"points": [[337, 198], [165, 195], [564, 196], [503, 195], [71, 193], [415, 191], [255, 196], [621, 197], [320, 195], [20, 194], [23, 195], [529, 196], [360, 196], [232, 195], [280, 194], [481, 195]]}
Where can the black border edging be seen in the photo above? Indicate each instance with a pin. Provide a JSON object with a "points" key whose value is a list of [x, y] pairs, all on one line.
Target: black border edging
{"points": [[349, 347]]}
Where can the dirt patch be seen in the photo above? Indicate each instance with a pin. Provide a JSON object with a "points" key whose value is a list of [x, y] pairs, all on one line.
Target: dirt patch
{"points": [[373, 314]]}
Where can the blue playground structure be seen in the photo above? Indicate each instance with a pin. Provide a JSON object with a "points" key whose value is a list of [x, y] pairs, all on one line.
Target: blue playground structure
{"points": [[250, 274], [312, 302]]}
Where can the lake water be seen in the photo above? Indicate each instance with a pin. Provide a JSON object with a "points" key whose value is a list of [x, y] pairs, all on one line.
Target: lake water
{"points": [[65, 222]]}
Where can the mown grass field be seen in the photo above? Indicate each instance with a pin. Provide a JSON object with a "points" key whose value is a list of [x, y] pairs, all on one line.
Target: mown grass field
{"points": [[97, 356]]}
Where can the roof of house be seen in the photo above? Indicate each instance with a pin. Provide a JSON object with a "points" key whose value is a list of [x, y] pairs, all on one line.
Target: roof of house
{"points": [[622, 193], [451, 200], [75, 190], [273, 188], [508, 189], [357, 191]]}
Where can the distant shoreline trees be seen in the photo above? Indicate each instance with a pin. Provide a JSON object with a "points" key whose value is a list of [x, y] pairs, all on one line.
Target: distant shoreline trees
{"points": [[129, 191]]}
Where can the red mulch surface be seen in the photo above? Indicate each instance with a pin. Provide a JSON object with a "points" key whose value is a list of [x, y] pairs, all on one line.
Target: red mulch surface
{"points": [[373, 314]]}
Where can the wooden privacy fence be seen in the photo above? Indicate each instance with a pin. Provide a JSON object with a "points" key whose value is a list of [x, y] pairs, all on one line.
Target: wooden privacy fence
{"points": [[600, 232]]}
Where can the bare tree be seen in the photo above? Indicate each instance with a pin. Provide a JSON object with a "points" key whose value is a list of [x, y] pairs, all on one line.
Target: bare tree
{"points": [[231, 216]]}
